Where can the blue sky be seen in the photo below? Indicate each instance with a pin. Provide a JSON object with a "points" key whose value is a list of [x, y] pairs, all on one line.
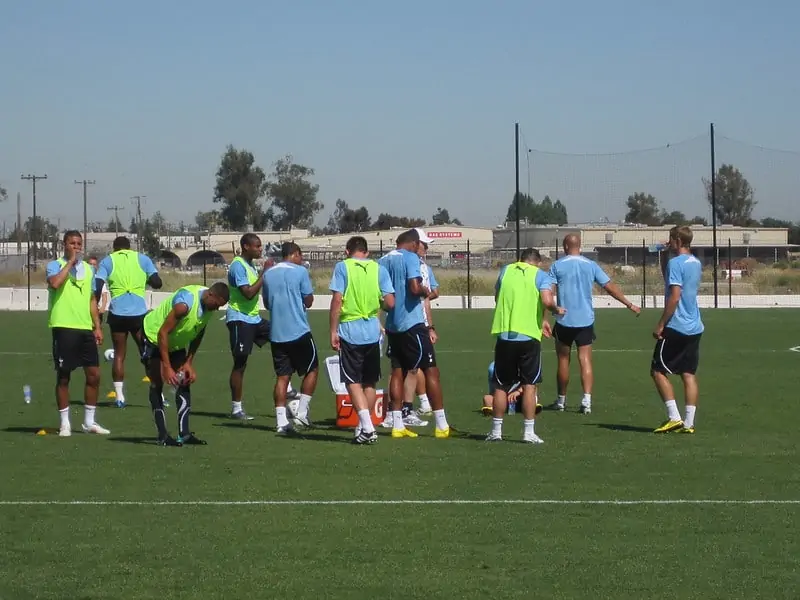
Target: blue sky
{"points": [[401, 107]]}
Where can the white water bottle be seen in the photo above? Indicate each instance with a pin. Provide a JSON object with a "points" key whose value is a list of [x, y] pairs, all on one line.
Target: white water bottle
{"points": [[26, 392]]}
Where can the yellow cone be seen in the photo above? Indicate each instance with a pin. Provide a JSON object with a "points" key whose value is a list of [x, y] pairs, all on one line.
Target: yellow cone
{"points": [[41, 432], [111, 394], [145, 379]]}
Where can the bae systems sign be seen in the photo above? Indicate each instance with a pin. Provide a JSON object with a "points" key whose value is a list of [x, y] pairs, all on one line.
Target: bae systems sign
{"points": [[443, 234]]}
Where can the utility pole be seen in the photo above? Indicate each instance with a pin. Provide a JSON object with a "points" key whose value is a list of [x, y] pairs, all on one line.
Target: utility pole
{"points": [[138, 201], [84, 183], [31, 236], [116, 210], [19, 223]]}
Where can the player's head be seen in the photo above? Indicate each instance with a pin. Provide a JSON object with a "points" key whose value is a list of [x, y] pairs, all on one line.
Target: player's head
{"points": [[92, 260], [572, 243], [73, 240], [408, 240], [356, 247], [680, 236], [291, 252], [531, 256], [251, 246], [121, 243], [424, 242], [216, 296]]}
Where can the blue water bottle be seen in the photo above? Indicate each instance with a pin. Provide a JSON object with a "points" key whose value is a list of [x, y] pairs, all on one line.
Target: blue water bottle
{"points": [[512, 407], [26, 392]]}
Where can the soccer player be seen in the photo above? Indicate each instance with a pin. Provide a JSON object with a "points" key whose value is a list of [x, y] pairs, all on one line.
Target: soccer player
{"points": [[172, 334], [514, 391], [522, 293], [127, 272], [288, 294], [360, 289], [409, 338], [245, 325], [574, 276], [75, 325], [102, 302], [678, 332]]}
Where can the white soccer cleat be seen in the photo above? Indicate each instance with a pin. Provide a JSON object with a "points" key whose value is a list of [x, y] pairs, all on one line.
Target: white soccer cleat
{"points": [[585, 409], [494, 437], [388, 422], [532, 438], [293, 405], [95, 428], [65, 431], [412, 420], [285, 430]]}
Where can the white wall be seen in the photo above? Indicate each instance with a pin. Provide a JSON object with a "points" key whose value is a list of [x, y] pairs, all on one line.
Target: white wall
{"points": [[17, 299]]}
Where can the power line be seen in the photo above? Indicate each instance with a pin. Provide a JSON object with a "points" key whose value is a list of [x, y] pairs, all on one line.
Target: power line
{"points": [[116, 210], [31, 234], [84, 183]]}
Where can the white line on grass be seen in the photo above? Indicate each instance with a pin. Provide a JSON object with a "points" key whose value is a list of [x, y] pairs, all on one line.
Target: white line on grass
{"points": [[387, 502]]}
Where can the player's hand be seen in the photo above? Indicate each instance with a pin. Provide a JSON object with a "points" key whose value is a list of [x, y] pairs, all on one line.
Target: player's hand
{"points": [[335, 344], [168, 375], [658, 332], [189, 374], [98, 336], [637, 310], [547, 329], [433, 335], [560, 311]]}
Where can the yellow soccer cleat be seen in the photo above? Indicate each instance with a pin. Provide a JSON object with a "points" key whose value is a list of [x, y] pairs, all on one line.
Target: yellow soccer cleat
{"points": [[486, 411], [111, 394], [441, 433], [669, 426], [400, 433], [539, 408], [686, 430]]}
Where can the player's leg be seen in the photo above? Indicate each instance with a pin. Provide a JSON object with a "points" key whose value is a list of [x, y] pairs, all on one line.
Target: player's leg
{"points": [[282, 364], [505, 374], [422, 393], [63, 360], [305, 362], [183, 404], [665, 354], [118, 326], [405, 359], [352, 365], [433, 382], [151, 360], [242, 336], [90, 361], [529, 364], [411, 385], [584, 340], [563, 341], [394, 363], [689, 363]]}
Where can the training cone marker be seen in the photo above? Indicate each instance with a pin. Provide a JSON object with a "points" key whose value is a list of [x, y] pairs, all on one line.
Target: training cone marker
{"points": [[41, 432], [145, 379], [111, 394]]}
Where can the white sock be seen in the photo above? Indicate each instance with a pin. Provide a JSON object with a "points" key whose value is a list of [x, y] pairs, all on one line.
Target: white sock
{"points": [[366, 421], [302, 409], [236, 407], [424, 403], [64, 414], [118, 391], [528, 424], [441, 420], [672, 410], [587, 400], [397, 420], [562, 400], [497, 426], [88, 415], [689, 420], [280, 415]]}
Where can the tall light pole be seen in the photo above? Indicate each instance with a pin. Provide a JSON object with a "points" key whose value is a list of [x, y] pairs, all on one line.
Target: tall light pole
{"points": [[84, 183], [138, 201], [31, 236]]}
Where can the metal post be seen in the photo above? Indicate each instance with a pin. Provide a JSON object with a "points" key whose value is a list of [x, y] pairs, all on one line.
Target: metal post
{"points": [[644, 273], [730, 275], [715, 253], [31, 235], [85, 182], [204, 263], [469, 282], [516, 195]]}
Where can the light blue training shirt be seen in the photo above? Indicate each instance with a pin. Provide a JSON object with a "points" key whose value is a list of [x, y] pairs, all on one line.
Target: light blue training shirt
{"points": [[543, 282], [362, 331], [403, 266], [54, 268], [686, 271], [237, 277], [126, 305], [285, 286], [575, 276]]}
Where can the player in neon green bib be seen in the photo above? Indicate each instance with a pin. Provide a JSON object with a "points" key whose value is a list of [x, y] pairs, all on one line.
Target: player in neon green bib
{"points": [[523, 291], [172, 335], [75, 324], [360, 288]]}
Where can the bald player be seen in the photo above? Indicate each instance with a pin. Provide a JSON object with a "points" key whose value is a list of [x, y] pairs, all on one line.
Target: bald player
{"points": [[573, 277]]}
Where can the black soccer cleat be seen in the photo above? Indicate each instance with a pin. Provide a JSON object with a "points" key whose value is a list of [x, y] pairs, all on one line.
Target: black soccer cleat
{"points": [[191, 440], [169, 441]]}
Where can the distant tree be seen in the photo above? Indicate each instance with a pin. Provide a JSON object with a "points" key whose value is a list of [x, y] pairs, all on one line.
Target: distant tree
{"points": [[387, 221], [675, 217], [734, 196], [207, 221], [794, 228], [3, 194], [150, 241], [346, 220], [134, 226], [240, 186], [115, 225], [545, 212], [292, 195], [698, 221], [642, 209], [442, 217]]}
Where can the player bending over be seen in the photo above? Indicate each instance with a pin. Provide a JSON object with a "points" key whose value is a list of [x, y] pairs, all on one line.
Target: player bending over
{"points": [[522, 293], [514, 394], [172, 335], [678, 332], [360, 288]]}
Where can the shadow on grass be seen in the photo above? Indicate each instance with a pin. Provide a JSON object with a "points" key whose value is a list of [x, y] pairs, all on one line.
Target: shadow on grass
{"points": [[28, 430], [316, 434], [623, 428], [148, 441]]}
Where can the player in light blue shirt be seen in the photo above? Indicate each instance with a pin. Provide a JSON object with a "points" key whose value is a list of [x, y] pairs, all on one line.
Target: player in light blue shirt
{"points": [[574, 277], [288, 294], [409, 339], [678, 332]]}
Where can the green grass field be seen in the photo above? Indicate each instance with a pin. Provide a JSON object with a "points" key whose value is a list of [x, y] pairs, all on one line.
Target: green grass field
{"points": [[566, 538]]}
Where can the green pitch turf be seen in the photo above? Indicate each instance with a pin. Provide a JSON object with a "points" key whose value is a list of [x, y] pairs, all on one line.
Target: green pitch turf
{"points": [[745, 449]]}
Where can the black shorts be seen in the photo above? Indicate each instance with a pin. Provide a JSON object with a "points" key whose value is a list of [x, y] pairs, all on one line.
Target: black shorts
{"points": [[121, 324], [298, 356], [676, 353], [580, 336], [244, 335], [359, 363], [150, 354], [517, 362], [74, 349], [412, 349]]}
